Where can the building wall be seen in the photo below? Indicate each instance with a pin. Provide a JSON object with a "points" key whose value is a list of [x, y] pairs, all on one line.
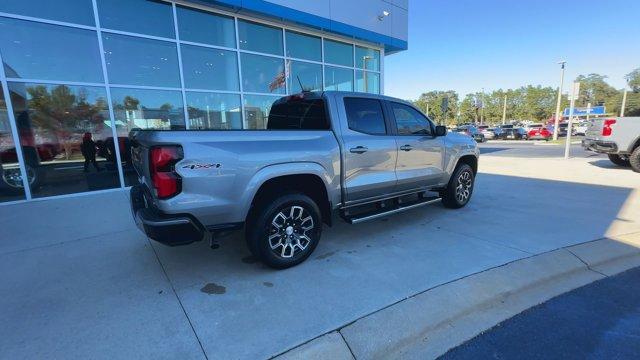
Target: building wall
{"points": [[81, 68]]}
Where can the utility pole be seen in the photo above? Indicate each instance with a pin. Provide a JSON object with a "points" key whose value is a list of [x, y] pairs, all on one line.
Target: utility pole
{"points": [[482, 109], [624, 102], [504, 111], [574, 95], [557, 120], [588, 110]]}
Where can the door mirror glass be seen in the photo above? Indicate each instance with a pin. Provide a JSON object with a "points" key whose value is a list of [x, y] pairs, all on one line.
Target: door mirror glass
{"points": [[441, 130]]}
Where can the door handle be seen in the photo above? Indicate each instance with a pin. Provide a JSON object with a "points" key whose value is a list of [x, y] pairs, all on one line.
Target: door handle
{"points": [[406, 147], [359, 149]]}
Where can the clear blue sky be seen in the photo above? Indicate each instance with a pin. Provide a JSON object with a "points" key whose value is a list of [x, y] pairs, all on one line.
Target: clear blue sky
{"points": [[465, 45]]}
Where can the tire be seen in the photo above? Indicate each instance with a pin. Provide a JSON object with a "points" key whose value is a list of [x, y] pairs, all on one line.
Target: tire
{"points": [[634, 160], [619, 160], [282, 246], [462, 180]]}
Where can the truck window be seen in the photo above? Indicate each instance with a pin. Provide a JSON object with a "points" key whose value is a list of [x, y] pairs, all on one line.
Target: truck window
{"points": [[365, 116], [297, 113], [410, 121]]}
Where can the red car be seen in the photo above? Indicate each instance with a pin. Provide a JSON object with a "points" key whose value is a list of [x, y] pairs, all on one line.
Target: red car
{"points": [[540, 134]]}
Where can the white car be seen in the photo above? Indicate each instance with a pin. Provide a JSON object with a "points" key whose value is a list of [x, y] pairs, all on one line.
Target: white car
{"points": [[581, 128]]}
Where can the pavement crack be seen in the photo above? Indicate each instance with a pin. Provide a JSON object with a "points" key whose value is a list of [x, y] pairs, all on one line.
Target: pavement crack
{"points": [[175, 293], [347, 343], [585, 263]]}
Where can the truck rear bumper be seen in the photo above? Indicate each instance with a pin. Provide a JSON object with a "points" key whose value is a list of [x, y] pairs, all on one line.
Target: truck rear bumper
{"points": [[171, 230], [600, 146]]}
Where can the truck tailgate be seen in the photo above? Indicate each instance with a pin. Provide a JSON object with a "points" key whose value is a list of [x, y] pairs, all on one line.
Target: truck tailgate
{"points": [[594, 129]]}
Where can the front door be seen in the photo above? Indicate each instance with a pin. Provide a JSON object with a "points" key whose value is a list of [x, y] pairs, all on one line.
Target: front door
{"points": [[369, 150], [420, 152]]}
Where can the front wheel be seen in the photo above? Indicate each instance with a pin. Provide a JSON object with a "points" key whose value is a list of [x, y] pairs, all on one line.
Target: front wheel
{"points": [[634, 160], [460, 187], [284, 231], [619, 160]]}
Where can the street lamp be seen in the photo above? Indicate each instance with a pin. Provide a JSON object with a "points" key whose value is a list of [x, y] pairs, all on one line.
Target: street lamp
{"points": [[364, 64], [557, 120]]}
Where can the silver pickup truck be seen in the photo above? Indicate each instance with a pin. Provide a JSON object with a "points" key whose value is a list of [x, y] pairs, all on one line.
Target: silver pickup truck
{"points": [[358, 155], [618, 137]]}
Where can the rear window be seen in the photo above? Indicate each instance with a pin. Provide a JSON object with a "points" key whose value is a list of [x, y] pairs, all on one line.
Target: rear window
{"points": [[365, 116], [297, 113]]}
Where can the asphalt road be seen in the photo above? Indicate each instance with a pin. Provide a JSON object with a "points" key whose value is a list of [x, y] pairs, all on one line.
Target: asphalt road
{"points": [[528, 149], [598, 321]]}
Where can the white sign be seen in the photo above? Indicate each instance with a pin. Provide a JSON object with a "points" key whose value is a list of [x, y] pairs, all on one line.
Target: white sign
{"points": [[575, 94]]}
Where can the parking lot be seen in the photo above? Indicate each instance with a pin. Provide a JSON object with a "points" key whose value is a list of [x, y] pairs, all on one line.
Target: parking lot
{"points": [[80, 281]]}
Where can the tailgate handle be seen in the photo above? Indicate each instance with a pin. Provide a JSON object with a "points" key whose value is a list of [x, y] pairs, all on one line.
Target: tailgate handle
{"points": [[359, 149]]}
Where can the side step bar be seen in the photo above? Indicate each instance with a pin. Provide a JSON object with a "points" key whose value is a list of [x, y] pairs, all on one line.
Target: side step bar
{"points": [[356, 219]]}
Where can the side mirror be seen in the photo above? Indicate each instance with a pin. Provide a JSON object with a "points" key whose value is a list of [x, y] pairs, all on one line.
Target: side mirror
{"points": [[441, 130]]}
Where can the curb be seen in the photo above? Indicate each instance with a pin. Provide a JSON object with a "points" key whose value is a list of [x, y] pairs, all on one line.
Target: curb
{"points": [[430, 323]]}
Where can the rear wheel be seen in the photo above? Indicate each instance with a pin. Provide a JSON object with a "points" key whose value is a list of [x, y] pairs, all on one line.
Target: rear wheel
{"points": [[460, 187], [619, 160], [634, 159], [284, 231]]}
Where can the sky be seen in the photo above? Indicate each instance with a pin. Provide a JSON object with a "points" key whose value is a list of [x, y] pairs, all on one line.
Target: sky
{"points": [[467, 45]]}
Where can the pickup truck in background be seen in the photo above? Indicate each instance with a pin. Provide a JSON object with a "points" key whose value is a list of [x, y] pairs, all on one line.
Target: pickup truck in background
{"points": [[618, 137], [358, 155]]}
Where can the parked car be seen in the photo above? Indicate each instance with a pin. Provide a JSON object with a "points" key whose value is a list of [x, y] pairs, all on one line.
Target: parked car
{"points": [[360, 155], [581, 128], [618, 137], [472, 131], [512, 134], [543, 133], [533, 126], [488, 133]]}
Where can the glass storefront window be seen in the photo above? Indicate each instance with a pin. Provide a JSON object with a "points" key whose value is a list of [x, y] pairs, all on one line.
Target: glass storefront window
{"points": [[71, 11], [66, 138], [139, 61], [214, 111], [338, 79], [262, 74], [33, 50], [204, 27], [256, 111], [338, 53], [259, 38], [367, 82], [144, 109], [303, 46], [305, 77], [11, 186], [211, 69], [148, 17], [367, 58]]}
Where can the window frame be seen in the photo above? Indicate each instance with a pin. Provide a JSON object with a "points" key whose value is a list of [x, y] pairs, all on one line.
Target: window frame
{"points": [[385, 115], [394, 124]]}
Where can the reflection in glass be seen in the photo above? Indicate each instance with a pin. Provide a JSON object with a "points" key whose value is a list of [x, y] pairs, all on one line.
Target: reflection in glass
{"points": [[259, 38], [303, 46], [138, 61], [66, 138], [338, 53], [204, 27], [72, 11], [11, 187], [367, 58], [305, 77], [256, 110], [144, 109], [367, 82], [33, 50], [211, 69], [145, 17], [262, 74], [214, 111], [338, 79]]}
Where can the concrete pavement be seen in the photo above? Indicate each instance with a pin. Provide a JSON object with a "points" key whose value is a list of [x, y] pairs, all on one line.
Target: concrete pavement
{"points": [[82, 282]]}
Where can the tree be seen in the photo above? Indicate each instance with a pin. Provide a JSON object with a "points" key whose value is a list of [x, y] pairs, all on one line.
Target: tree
{"points": [[595, 90], [633, 80], [433, 102]]}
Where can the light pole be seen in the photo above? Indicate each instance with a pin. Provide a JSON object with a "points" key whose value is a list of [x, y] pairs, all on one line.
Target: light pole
{"points": [[557, 117], [504, 111], [364, 64], [624, 102], [482, 108]]}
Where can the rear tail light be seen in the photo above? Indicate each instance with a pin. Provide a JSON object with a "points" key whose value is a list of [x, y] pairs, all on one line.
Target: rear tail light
{"points": [[606, 129], [166, 182]]}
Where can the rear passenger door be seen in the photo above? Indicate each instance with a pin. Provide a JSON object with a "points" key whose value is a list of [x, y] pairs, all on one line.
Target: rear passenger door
{"points": [[420, 153], [369, 149]]}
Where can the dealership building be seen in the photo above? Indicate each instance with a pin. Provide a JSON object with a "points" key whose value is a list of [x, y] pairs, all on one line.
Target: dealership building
{"points": [[78, 75]]}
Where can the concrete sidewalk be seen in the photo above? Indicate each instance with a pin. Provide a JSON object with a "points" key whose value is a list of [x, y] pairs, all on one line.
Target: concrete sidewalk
{"points": [[81, 281]]}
